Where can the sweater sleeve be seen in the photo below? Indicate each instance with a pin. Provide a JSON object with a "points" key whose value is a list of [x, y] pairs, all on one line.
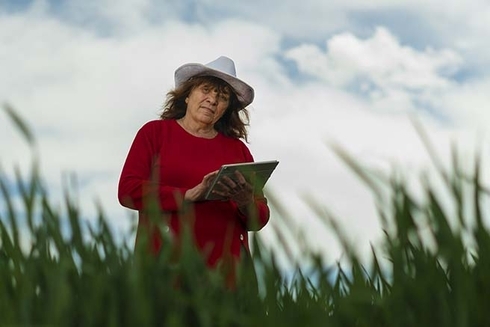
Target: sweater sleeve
{"points": [[136, 184], [257, 217]]}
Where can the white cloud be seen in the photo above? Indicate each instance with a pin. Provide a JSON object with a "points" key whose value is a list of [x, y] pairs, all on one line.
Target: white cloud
{"points": [[390, 74], [469, 104]]}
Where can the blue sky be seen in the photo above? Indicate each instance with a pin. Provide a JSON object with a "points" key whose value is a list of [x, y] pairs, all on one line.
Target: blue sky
{"points": [[87, 74]]}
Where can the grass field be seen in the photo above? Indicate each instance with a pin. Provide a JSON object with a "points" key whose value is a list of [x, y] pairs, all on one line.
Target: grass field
{"points": [[69, 273]]}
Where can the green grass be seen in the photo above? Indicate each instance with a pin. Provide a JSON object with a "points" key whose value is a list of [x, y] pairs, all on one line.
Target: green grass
{"points": [[432, 270]]}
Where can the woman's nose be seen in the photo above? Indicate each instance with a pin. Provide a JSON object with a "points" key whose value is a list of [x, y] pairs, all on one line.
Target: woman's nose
{"points": [[213, 96]]}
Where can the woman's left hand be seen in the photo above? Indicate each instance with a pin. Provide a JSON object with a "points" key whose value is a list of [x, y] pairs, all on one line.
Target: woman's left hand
{"points": [[237, 189]]}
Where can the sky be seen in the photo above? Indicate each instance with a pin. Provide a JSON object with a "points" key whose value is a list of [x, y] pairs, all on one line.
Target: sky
{"points": [[87, 74]]}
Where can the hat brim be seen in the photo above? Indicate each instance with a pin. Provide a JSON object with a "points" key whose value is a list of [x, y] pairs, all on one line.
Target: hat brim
{"points": [[244, 92]]}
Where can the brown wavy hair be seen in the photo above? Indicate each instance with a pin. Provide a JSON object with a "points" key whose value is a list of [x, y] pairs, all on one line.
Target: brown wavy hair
{"points": [[234, 121]]}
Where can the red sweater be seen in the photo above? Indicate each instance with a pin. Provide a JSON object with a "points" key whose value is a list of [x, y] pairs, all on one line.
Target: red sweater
{"points": [[165, 160]]}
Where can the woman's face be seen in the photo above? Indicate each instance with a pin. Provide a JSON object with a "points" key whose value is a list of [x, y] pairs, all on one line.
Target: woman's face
{"points": [[206, 104]]}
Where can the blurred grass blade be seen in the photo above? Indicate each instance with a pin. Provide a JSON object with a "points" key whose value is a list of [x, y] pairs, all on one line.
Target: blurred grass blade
{"points": [[10, 210], [20, 124], [436, 160], [332, 223], [360, 171]]}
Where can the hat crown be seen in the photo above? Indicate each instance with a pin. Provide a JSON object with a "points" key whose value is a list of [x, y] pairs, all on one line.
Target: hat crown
{"points": [[223, 64]]}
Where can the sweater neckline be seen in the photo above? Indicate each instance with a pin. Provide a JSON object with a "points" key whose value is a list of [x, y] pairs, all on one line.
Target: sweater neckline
{"points": [[192, 135]]}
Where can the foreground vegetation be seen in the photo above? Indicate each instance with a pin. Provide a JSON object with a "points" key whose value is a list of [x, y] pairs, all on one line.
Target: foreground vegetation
{"points": [[55, 269]]}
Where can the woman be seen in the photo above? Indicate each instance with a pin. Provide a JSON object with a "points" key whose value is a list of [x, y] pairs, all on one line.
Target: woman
{"points": [[175, 159]]}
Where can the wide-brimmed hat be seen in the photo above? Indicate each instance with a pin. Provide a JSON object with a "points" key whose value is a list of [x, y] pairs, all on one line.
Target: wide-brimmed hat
{"points": [[223, 68]]}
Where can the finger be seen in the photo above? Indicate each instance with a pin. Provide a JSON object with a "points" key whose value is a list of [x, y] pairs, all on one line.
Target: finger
{"points": [[239, 178], [210, 175], [225, 188], [208, 178], [229, 182]]}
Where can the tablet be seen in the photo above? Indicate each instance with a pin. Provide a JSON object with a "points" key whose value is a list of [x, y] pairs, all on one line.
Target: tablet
{"points": [[256, 172]]}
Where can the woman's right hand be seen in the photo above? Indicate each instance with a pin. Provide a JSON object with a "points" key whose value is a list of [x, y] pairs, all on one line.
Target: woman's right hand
{"points": [[197, 192]]}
